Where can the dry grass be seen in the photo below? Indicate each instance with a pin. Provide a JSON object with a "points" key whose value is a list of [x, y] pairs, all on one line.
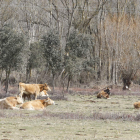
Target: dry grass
{"points": [[77, 116]]}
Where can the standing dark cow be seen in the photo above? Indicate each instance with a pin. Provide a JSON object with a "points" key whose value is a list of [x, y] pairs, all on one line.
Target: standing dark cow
{"points": [[126, 84]]}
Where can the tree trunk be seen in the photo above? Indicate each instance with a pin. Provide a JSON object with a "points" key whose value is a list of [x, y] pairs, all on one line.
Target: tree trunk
{"points": [[27, 75], [117, 45], [69, 78], [7, 80], [53, 82], [100, 45], [1, 71], [114, 73]]}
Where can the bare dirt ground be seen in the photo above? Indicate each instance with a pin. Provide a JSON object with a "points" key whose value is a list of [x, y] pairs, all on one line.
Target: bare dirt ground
{"points": [[78, 115]]}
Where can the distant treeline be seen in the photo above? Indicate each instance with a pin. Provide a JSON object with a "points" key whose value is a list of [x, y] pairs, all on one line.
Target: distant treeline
{"points": [[70, 42]]}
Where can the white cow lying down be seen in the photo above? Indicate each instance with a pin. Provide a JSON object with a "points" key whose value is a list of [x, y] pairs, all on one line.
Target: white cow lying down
{"points": [[10, 102], [37, 104]]}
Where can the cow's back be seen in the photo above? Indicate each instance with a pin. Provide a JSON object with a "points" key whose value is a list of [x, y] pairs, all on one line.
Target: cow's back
{"points": [[29, 88], [8, 103], [37, 104], [32, 105]]}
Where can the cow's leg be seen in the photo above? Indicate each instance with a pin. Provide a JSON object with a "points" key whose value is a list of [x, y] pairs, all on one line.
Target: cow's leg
{"points": [[29, 97], [24, 97], [21, 94], [14, 108], [35, 96]]}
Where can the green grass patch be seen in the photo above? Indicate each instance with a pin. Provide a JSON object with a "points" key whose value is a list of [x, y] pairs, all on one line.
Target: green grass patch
{"points": [[78, 117]]}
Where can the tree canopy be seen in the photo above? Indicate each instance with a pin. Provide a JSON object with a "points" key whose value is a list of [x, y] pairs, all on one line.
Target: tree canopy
{"points": [[11, 45]]}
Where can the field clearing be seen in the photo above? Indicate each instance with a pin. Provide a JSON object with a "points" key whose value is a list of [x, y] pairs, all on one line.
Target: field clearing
{"points": [[79, 117]]}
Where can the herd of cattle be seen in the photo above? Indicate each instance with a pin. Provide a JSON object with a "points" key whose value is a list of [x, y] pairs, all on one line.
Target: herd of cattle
{"points": [[27, 90]]}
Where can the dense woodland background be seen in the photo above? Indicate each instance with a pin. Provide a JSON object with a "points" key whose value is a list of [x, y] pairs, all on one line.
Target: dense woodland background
{"points": [[69, 43]]}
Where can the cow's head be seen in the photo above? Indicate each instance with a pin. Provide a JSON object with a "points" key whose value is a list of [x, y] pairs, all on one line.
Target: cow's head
{"points": [[44, 93], [48, 101], [19, 99], [107, 91], [45, 87]]}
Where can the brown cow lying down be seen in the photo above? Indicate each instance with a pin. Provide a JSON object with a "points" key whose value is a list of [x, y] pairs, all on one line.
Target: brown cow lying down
{"points": [[137, 105], [42, 93], [104, 93], [37, 104], [10, 102], [32, 89]]}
